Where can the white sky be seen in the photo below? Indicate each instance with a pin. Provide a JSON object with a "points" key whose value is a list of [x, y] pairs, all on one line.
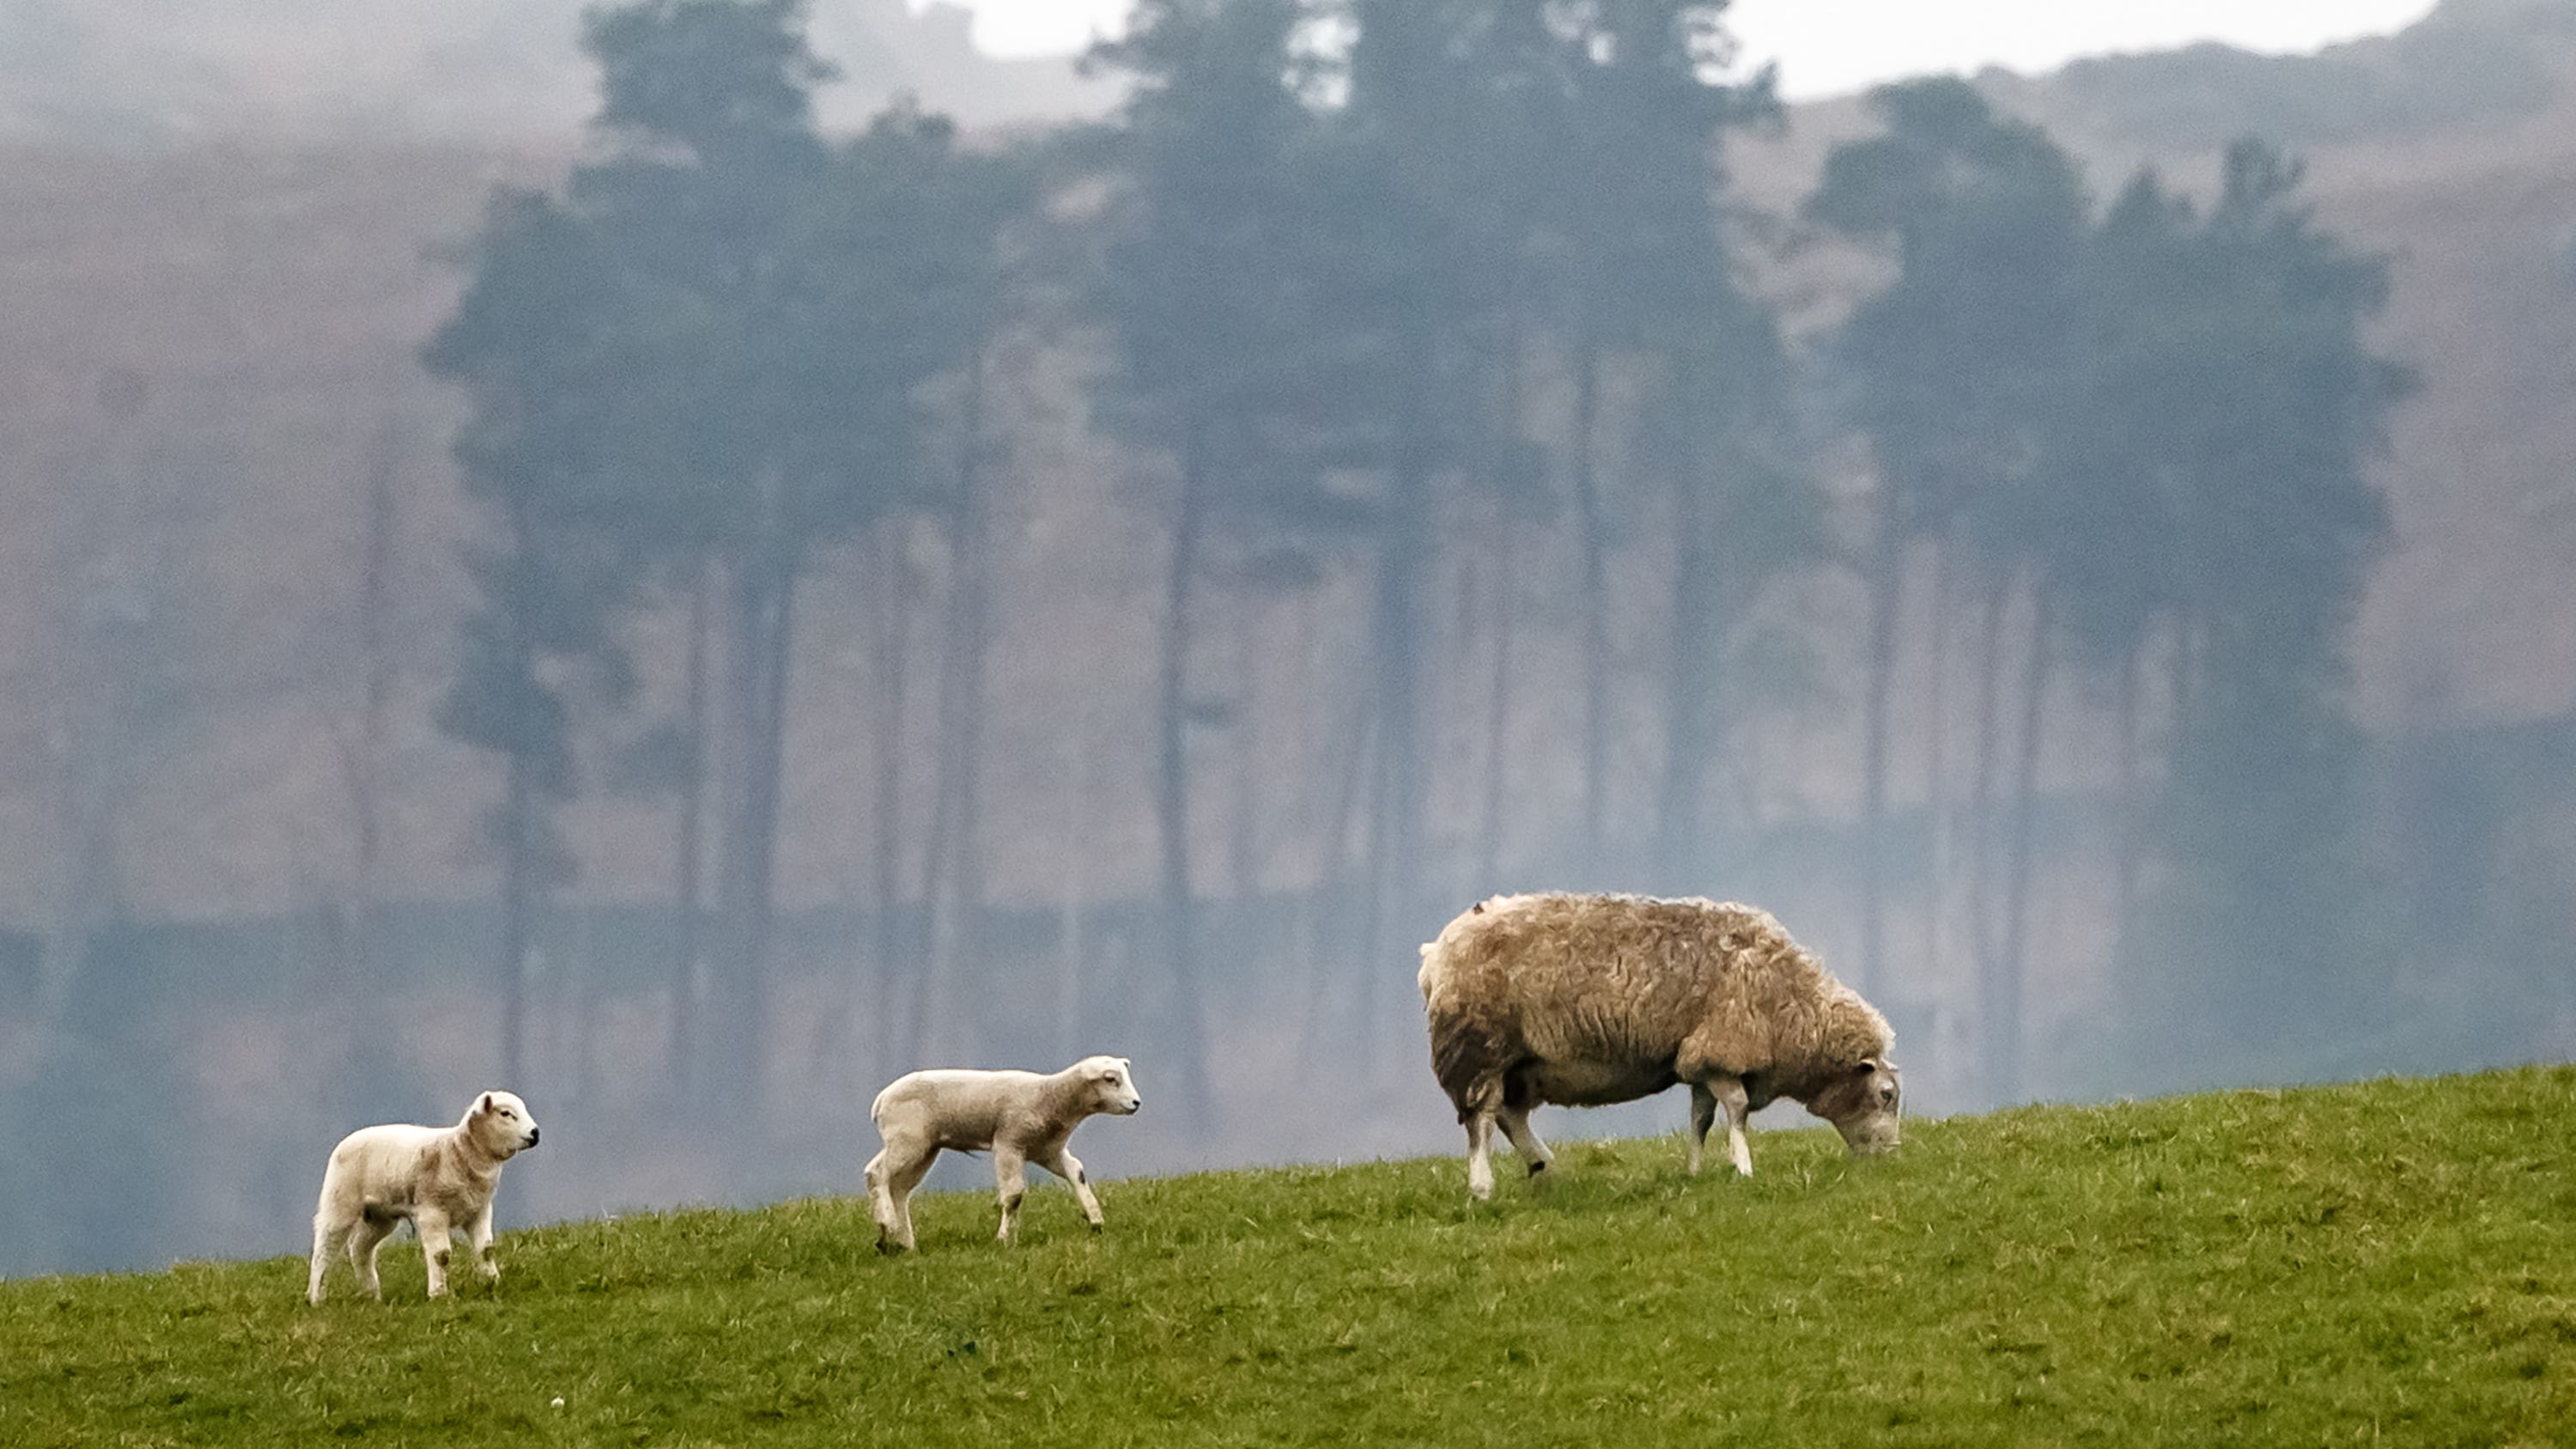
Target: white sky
{"points": [[1830, 46]]}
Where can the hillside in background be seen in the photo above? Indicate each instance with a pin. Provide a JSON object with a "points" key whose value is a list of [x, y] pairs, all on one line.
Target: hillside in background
{"points": [[219, 274], [211, 345], [2379, 1264], [160, 73]]}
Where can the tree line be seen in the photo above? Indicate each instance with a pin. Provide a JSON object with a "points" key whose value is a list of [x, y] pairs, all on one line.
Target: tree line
{"points": [[1390, 297]]}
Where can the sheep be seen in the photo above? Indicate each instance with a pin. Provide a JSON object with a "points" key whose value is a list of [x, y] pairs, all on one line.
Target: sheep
{"points": [[442, 1178], [1021, 1117], [1585, 1000]]}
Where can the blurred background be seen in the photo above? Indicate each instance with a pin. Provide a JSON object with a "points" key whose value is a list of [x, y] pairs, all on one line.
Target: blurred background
{"points": [[688, 557]]}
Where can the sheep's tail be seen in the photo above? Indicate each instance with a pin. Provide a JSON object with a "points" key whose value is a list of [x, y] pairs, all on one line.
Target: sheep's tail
{"points": [[1471, 1046]]}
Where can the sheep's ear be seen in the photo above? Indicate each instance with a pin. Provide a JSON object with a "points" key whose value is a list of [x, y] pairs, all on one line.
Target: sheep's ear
{"points": [[1868, 1065], [485, 1105]]}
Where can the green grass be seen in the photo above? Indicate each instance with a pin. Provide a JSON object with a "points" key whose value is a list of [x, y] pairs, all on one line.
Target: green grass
{"points": [[2392, 1262]]}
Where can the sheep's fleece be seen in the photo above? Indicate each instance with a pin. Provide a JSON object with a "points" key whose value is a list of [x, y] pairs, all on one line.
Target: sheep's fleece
{"points": [[442, 1178], [1584, 1000]]}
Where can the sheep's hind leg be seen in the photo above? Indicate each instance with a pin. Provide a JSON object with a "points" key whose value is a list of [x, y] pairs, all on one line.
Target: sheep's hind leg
{"points": [[1730, 1095], [1703, 1117], [1480, 1155], [366, 1242], [327, 1235], [1069, 1167], [1010, 1184], [1534, 1154], [891, 1178]]}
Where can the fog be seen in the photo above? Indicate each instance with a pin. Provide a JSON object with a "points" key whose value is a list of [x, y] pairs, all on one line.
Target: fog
{"points": [[687, 558]]}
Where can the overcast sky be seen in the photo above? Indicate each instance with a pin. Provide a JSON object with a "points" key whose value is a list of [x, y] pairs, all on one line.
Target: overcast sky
{"points": [[1829, 46]]}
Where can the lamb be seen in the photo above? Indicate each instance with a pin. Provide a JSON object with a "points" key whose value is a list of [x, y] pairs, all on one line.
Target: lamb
{"points": [[441, 1178], [1585, 1000], [1021, 1117]]}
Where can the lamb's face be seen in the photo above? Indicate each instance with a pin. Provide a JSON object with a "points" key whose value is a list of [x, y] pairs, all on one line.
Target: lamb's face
{"points": [[1113, 1089], [1863, 1106], [502, 1124]]}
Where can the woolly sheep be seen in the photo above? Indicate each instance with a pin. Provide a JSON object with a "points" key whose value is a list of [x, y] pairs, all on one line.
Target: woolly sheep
{"points": [[1021, 1117], [1585, 1000], [442, 1178]]}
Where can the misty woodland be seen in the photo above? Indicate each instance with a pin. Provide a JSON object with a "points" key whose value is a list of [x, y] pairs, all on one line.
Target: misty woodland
{"points": [[789, 604]]}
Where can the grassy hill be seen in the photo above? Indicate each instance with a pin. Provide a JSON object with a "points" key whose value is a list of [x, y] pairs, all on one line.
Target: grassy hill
{"points": [[2392, 1262]]}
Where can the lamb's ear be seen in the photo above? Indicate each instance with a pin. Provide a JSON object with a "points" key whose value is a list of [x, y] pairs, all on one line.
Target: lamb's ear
{"points": [[484, 1105], [1868, 1065]]}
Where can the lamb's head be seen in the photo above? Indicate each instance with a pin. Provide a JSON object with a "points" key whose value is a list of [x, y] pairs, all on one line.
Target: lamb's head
{"points": [[501, 1124], [1107, 1085], [1862, 1103]]}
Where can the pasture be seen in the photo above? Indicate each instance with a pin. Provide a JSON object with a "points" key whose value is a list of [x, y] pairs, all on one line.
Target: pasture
{"points": [[2385, 1263]]}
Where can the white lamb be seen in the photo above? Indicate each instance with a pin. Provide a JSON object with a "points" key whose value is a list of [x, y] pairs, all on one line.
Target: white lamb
{"points": [[1020, 1117], [439, 1177]]}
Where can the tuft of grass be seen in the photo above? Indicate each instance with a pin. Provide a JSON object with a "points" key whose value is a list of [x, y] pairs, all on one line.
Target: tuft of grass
{"points": [[2392, 1262]]}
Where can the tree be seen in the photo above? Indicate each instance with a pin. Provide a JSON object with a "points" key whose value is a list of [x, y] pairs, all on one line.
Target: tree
{"points": [[1956, 370], [532, 343], [712, 363], [1208, 293], [2264, 438]]}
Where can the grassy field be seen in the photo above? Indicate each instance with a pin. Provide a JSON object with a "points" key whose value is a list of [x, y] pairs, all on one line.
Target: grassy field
{"points": [[2393, 1262]]}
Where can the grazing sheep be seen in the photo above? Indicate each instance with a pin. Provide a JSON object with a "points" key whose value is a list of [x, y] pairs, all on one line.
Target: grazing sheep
{"points": [[439, 1177], [1585, 1000], [1021, 1117]]}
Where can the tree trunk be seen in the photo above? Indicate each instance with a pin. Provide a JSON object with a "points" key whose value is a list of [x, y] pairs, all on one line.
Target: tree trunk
{"points": [[1982, 943], [1689, 700], [2003, 1004], [891, 666], [520, 865], [1591, 528], [1886, 592], [764, 621], [2132, 825], [688, 906], [1172, 797], [1406, 554], [1498, 709], [375, 707], [1243, 817]]}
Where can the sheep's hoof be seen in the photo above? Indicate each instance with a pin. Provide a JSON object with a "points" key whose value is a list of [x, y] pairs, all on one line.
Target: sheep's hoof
{"points": [[1098, 1227]]}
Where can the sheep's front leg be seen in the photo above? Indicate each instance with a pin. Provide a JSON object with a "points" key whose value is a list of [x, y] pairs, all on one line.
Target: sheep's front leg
{"points": [[1480, 1155], [1534, 1154], [1703, 1117], [437, 1243], [1010, 1184], [478, 1235], [1069, 1167]]}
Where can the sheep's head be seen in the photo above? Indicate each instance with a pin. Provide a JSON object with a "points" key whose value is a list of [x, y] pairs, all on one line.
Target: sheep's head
{"points": [[1111, 1085], [1863, 1104], [501, 1124]]}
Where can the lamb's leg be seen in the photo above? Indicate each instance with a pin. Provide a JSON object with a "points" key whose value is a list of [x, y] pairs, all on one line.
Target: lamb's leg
{"points": [[366, 1241], [478, 1235], [1703, 1117], [437, 1244], [1534, 1153], [1010, 1184], [327, 1235], [1480, 1155], [1069, 1167], [892, 1175]]}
